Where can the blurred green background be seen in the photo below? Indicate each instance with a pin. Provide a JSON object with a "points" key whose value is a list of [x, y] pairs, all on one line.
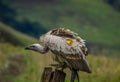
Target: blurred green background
{"points": [[23, 21]]}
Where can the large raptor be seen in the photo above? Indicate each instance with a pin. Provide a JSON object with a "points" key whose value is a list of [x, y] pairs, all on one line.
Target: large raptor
{"points": [[68, 49]]}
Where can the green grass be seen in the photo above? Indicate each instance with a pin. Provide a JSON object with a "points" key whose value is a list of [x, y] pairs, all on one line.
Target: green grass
{"points": [[19, 65], [104, 68]]}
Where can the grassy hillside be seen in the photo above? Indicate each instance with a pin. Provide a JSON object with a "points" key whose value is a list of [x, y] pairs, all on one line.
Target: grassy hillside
{"points": [[94, 20], [18, 65], [7, 34]]}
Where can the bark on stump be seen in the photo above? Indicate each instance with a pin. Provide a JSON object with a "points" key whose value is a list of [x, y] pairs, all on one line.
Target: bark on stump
{"points": [[52, 76]]}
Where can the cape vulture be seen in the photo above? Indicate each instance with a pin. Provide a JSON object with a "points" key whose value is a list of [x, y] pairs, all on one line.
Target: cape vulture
{"points": [[68, 48]]}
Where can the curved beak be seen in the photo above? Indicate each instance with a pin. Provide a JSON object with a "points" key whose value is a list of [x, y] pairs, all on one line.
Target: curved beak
{"points": [[33, 47], [27, 47], [30, 47]]}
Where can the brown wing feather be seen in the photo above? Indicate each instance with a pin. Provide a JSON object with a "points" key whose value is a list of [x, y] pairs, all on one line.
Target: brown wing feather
{"points": [[63, 32]]}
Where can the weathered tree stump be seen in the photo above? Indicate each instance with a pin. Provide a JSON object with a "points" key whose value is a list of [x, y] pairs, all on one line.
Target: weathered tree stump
{"points": [[52, 76], [47, 73]]}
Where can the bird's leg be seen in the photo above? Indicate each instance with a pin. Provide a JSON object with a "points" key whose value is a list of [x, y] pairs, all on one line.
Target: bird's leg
{"points": [[73, 75], [62, 66], [56, 65]]}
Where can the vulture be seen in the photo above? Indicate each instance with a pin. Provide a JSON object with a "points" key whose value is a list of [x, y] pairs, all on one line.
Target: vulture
{"points": [[68, 49]]}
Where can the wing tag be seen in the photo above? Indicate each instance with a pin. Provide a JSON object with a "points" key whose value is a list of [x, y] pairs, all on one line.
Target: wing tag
{"points": [[69, 41]]}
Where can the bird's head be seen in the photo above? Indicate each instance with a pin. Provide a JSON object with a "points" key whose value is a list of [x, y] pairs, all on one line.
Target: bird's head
{"points": [[34, 47]]}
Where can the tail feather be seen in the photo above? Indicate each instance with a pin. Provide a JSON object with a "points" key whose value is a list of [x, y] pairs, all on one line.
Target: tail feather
{"points": [[84, 66]]}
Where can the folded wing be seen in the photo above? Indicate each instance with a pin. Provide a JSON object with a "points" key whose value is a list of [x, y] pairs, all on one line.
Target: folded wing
{"points": [[71, 49]]}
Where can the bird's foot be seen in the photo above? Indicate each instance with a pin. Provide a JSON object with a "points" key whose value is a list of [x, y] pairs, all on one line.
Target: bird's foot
{"points": [[56, 65], [62, 67]]}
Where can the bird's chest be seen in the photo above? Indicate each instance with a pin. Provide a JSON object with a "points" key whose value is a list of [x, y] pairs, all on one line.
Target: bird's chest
{"points": [[57, 57]]}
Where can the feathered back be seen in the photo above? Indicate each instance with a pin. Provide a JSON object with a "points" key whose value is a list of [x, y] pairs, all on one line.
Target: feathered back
{"points": [[63, 32]]}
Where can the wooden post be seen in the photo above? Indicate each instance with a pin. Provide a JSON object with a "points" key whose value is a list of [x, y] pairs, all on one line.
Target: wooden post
{"points": [[58, 76], [46, 76], [52, 76]]}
